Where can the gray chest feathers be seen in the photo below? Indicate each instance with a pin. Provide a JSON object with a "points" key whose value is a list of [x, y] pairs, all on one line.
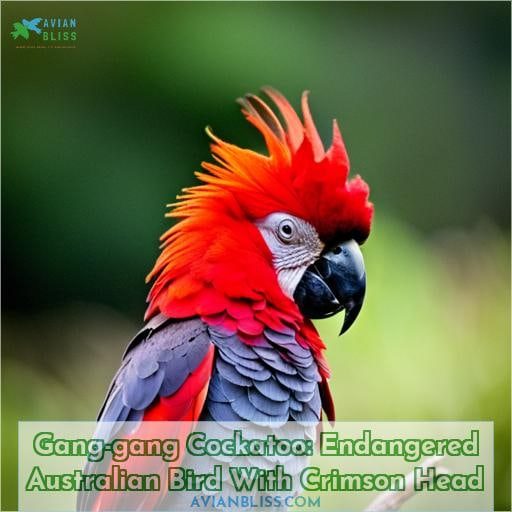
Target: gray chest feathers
{"points": [[276, 381]]}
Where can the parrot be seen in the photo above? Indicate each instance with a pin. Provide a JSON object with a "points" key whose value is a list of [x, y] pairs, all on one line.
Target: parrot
{"points": [[263, 245]]}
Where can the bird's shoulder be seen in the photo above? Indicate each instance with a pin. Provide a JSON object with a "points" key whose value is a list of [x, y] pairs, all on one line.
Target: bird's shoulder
{"points": [[156, 362]]}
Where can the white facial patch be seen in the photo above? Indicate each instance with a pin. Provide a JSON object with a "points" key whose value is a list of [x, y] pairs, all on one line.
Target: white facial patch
{"points": [[294, 244]]}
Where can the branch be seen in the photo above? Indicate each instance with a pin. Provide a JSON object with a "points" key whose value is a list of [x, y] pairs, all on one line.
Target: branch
{"points": [[393, 500]]}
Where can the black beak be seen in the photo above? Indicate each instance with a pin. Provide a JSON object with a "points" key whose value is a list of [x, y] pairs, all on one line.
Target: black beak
{"points": [[336, 281]]}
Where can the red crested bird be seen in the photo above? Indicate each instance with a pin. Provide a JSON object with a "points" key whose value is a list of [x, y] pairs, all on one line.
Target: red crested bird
{"points": [[263, 245]]}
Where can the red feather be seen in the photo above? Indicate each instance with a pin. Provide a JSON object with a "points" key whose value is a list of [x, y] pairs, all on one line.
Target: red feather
{"points": [[188, 400]]}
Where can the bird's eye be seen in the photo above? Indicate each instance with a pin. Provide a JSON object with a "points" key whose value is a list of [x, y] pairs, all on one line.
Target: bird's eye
{"points": [[286, 230]]}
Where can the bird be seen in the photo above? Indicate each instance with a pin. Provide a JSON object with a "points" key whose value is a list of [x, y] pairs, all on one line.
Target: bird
{"points": [[20, 30], [32, 25], [263, 245]]}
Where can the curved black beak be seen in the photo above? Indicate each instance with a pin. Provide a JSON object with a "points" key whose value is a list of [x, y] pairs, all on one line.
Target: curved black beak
{"points": [[336, 281]]}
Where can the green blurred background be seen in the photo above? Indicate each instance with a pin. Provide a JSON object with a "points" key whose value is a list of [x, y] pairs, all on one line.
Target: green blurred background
{"points": [[97, 139]]}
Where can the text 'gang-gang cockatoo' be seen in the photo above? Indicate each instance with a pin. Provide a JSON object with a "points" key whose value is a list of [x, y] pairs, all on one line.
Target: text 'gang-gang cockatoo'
{"points": [[263, 245]]}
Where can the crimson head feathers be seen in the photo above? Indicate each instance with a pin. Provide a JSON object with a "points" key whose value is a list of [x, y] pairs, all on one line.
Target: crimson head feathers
{"points": [[281, 229]]}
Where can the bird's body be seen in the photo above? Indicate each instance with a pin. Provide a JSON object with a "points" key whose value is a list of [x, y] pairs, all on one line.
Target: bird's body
{"points": [[263, 243]]}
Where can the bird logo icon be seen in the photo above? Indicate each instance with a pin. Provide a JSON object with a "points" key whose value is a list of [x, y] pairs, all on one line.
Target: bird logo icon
{"points": [[24, 28], [32, 25]]}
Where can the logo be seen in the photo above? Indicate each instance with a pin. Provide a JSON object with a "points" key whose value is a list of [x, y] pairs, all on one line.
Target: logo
{"points": [[45, 32], [24, 28]]}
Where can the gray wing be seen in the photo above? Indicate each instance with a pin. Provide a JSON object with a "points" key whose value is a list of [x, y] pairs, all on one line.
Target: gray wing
{"points": [[156, 363]]}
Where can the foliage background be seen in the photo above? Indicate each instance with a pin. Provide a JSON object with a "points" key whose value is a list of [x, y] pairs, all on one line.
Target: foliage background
{"points": [[96, 141]]}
